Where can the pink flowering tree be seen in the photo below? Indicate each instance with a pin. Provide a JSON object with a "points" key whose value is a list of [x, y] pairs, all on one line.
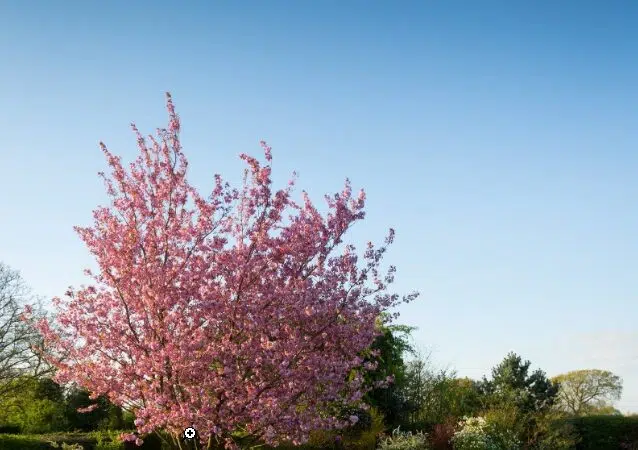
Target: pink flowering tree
{"points": [[239, 311]]}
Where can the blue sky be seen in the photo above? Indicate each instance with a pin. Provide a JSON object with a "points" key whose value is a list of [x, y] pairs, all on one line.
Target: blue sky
{"points": [[498, 138]]}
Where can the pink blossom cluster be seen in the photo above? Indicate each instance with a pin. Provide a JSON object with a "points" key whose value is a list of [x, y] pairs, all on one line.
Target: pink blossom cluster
{"points": [[242, 310]]}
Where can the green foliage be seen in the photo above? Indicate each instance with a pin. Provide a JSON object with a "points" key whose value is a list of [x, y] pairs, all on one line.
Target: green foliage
{"points": [[606, 432], [521, 404], [437, 395], [34, 407], [22, 442], [108, 440], [110, 446], [40, 416], [512, 384], [506, 426], [70, 440], [589, 391], [387, 352], [400, 440], [114, 419], [97, 440], [507, 429], [106, 416], [462, 396], [553, 432], [367, 438], [393, 344], [65, 446], [46, 388], [128, 419], [40, 405], [426, 389], [605, 410]]}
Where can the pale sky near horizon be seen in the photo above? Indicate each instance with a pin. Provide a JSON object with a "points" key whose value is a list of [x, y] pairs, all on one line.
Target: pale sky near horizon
{"points": [[499, 138]]}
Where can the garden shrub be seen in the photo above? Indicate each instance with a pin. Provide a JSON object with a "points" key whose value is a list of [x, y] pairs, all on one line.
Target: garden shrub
{"points": [[405, 440], [553, 432], [128, 419], [472, 435], [77, 398], [476, 433], [606, 432], [441, 436], [34, 406], [506, 427], [363, 439], [113, 420], [41, 416]]}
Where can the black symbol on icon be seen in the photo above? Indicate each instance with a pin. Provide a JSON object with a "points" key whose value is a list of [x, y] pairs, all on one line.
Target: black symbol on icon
{"points": [[190, 433]]}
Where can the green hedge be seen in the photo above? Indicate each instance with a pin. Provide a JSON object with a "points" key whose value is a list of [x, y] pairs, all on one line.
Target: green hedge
{"points": [[89, 441], [22, 442], [606, 432]]}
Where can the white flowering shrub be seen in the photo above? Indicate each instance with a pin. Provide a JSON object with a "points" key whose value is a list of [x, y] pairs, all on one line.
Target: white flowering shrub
{"points": [[476, 433], [472, 435], [401, 440]]}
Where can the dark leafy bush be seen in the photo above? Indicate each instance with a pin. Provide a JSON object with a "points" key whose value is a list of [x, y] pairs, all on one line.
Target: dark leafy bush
{"points": [[10, 429], [85, 421], [364, 419], [606, 432], [551, 431]]}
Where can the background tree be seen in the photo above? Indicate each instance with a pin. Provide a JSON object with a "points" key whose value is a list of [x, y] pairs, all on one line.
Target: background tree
{"points": [[588, 391], [34, 405], [515, 399], [86, 414], [437, 396], [605, 410], [511, 383], [389, 350], [463, 397], [242, 311], [40, 405], [17, 359]]}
